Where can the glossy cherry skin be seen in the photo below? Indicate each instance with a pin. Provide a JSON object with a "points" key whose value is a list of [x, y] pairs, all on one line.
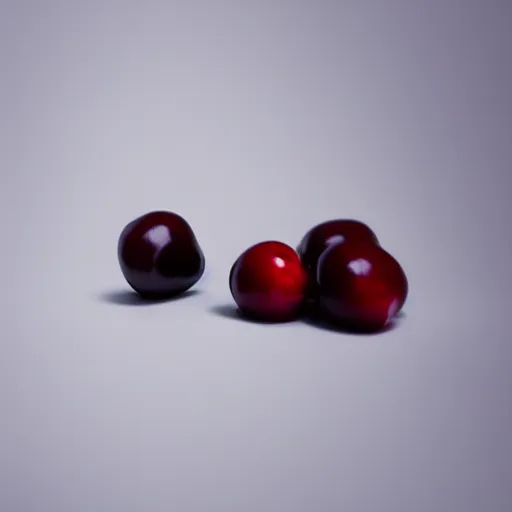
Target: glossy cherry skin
{"points": [[159, 255], [328, 233], [360, 286], [268, 282]]}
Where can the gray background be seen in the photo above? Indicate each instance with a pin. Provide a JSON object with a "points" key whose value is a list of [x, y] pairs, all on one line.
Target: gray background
{"points": [[254, 120]]}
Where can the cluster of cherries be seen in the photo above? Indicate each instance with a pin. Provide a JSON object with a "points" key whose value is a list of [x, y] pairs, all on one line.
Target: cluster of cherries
{"points": [[339, 272]]}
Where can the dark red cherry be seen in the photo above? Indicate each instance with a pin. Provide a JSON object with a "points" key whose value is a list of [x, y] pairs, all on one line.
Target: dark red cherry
{"points": [[328, 233], [360, 285], [268, 282], [159, 255]]}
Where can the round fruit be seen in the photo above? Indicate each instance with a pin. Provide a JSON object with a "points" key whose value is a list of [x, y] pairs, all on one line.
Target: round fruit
{"points": [[360, 285], [329, 233], [268, 282], [159, 255]]}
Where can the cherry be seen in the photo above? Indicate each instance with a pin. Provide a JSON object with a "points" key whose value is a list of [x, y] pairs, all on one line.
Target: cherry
{"points": [[268, 282], [328, 233], [360, 285], [159, 255]]}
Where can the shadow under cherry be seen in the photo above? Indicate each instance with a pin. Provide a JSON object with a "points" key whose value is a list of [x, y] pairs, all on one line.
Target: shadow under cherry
{"points": [[309, 316], [320, 321], [131, 298], [231, 312]]}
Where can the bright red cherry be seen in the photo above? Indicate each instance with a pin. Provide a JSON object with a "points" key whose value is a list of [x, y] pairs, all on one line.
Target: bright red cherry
{"points": [[328, 233], [360, 285], [268, 282], [159, 255]]}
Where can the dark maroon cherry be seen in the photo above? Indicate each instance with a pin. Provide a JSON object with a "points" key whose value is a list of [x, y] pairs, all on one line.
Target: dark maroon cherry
{"points": [[328, 233], [360, 285], [268, 282], [159, 255]]}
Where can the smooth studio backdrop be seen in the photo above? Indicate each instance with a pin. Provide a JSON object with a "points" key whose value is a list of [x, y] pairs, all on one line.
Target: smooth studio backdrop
{"points": [[254, 120]]}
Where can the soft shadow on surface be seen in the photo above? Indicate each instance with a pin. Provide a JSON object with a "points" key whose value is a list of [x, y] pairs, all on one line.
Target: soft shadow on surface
{"points": [[233, 313], [308, 317], [131, 298], [321, 322]]}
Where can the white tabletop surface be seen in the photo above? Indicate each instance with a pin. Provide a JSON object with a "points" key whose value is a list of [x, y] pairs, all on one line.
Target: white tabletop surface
{"points": [[254, 120]]}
